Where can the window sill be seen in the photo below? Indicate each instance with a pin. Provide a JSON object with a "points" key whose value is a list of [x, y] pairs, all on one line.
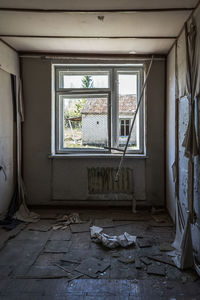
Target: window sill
{"points": [[98, 155]]}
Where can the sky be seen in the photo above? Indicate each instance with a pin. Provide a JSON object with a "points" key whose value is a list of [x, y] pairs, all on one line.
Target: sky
{"points": [[127, 82]]}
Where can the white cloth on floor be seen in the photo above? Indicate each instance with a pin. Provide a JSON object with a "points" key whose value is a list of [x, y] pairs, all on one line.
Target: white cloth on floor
{"points": [[110, 241]]}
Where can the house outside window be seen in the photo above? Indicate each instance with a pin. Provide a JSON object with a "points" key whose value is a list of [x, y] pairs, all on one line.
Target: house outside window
{"points": [[124, 127], [94, 109]]}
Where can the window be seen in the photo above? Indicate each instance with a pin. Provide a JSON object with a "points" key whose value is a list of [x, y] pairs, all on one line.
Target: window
{"points": [[95, 106], [124, 127]]}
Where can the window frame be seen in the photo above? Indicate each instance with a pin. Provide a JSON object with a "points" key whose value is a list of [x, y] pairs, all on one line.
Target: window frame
{"points": [[114, 71], [59, 131]]}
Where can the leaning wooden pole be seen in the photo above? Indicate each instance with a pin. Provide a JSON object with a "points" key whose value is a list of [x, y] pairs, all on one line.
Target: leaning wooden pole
{"points": [[132, 125]]}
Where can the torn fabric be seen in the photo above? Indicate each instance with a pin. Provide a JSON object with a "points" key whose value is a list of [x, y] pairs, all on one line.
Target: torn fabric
{"points": [[183, 255], [64, 221], [23, 213], [109, 241], [186, 85]]}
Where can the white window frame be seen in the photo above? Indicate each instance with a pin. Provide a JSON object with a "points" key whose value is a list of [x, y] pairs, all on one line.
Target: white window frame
{"points": [[113, 108]]}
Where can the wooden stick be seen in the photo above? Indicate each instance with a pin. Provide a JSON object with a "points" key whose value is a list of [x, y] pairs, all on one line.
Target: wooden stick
{"points": [[129, 136]]}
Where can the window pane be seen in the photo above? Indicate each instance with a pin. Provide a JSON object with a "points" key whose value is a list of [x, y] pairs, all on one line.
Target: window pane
{"points": [[122, 127], [127, 107], [85, 122], [78, 80], [127, 127]]}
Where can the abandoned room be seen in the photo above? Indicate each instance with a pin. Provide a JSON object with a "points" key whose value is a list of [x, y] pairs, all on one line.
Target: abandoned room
{"points": [[99, 149]]}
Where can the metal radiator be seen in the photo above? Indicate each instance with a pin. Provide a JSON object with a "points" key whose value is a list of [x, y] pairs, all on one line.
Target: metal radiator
{"points": [[102, 181]]}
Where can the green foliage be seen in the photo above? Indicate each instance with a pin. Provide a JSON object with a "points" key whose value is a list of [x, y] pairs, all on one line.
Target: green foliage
{"points": [[87, 82], [79, 107]]}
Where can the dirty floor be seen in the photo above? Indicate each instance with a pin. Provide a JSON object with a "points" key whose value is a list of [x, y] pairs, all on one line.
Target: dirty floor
{"points": [[37, 262]]}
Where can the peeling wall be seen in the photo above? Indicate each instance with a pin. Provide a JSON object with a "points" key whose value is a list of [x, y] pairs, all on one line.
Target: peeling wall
{"points": [[60, 180], [182, 120], [8, 64], [170, 134]]}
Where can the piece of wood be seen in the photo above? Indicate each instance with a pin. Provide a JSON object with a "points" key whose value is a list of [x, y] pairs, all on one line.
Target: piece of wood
{"points": [[91, 266], [138, 263], [145, 260], [62, 268], [156, 270], [163, 259]]}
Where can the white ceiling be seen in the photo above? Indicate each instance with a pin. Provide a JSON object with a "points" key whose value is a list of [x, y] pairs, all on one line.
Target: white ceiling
{"points": [[97, 45], [97, 4], [145, 32], [165, 24]]}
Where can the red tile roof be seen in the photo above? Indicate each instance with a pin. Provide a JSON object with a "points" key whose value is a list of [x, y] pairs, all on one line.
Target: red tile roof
{"points": [[127, 105]]}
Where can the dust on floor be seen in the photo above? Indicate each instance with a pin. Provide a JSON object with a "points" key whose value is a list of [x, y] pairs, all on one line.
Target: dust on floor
{"points": [[37, 262]]}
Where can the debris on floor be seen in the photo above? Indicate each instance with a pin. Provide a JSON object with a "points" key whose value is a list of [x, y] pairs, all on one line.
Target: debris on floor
{"points": [[145, 260], [163, 259], [23, 214], [110, 241], [137, 263], [64, 221], [70, 254], [144, 243], [166, 247], [156, 270], [184, 279], [127, 260], [91, 266]]}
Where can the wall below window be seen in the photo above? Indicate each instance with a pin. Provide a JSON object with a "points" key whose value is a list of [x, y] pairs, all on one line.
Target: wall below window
{"points": [[60, 180]]}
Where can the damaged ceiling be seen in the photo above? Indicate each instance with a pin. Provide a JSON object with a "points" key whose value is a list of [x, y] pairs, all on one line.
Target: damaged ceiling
{"points": [[109, 27]]}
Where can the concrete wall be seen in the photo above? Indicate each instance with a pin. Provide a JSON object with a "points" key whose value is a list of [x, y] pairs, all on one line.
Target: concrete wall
{"points": [[8, 64], [48, 180], [170, 134]]}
